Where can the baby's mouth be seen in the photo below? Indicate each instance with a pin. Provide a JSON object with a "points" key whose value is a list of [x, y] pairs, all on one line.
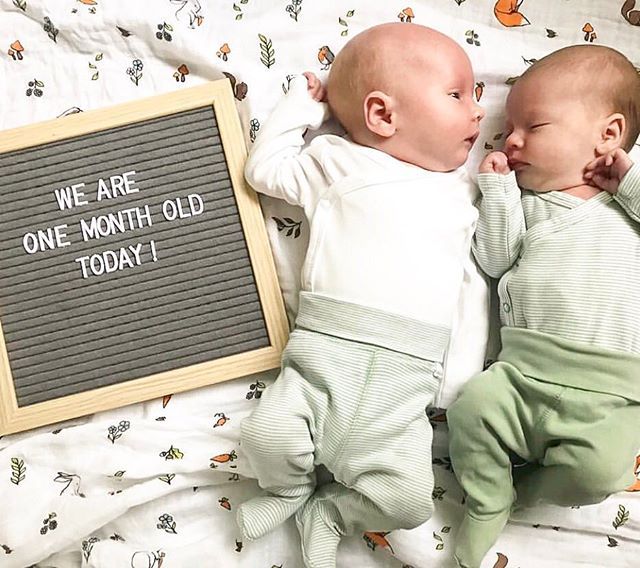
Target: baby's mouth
{"points": [[516, 165]]}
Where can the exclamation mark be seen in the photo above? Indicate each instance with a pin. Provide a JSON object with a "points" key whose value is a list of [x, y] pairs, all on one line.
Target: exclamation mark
{"points": [[153, 250]]}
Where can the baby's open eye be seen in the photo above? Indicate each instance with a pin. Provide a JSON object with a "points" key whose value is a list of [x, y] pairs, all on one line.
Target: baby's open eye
{"points": [[455, 95]]}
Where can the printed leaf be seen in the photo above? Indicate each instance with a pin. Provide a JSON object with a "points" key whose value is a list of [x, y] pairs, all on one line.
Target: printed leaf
{"points": [[239, 17], [119, 473], [266, 51], [237, 8], [92, 66], [168, 478], [22, 4], [621, 518], [99, 57], [350, 13], [437, 537], [445, 530], [612, 542], [95, 76], [39, 84], [440, 546], [342, 22], [18, 470], [168, 27]]}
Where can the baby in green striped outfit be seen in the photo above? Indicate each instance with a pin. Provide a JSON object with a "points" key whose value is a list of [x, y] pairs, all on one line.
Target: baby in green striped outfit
{"points": [[559, 225]]}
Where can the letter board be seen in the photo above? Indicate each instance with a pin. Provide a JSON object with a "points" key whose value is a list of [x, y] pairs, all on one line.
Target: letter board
{"points": [[134, 260]]}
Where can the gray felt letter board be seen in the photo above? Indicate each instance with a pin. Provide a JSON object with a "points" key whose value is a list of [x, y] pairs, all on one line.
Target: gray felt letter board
{"points": [[133, 258]]}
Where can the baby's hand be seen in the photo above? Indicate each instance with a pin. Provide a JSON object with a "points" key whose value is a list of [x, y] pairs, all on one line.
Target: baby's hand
{"points": [[315, 87], [606, 172], [495, 163]]}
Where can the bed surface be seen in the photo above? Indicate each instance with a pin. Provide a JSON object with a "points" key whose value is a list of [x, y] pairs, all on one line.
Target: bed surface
{"points": [[157, 484]]}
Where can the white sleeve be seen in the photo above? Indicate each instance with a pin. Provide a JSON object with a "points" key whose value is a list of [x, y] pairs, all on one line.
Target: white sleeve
{"points": [[278, 165]]}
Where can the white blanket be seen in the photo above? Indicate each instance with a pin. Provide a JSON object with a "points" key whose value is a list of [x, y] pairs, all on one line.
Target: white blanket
{"points": [[157, 484]]}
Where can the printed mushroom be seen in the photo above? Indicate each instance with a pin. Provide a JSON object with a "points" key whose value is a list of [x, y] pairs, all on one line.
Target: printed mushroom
{"points": [[587, 29], [15, 50], [224, 51], [181, 72], [406, 15]]}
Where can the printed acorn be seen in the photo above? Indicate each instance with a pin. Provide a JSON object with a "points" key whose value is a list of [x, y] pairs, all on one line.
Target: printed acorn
{"points": [[479, 89], [15, 50]]}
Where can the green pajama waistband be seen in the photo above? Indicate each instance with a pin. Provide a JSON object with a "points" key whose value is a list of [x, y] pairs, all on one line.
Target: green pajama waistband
{"points": [[370, 325], [553, 359]]}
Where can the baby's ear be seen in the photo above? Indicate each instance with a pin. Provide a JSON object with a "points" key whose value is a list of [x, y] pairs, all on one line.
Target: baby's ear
{"points": [[612, 133], [380, 114]]}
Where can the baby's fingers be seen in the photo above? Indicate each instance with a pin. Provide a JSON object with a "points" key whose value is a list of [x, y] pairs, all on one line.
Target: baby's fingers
{"points": [[596, 164]]}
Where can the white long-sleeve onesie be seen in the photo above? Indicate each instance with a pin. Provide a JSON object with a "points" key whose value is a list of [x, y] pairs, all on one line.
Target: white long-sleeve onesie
{"points": [[383, 233]]}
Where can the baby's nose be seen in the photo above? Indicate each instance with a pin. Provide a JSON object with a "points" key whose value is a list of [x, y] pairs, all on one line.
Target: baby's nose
{"points": [[478, 113], [513, 141]]}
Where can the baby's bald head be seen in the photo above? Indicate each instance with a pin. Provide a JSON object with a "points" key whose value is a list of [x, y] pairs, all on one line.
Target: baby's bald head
{"points": [[376, 60]]}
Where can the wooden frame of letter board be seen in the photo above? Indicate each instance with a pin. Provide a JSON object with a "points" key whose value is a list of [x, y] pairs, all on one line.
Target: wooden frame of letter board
{"points": [[219, 95]]}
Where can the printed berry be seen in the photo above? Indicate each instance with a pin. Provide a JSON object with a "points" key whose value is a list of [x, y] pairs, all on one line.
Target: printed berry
{"points": [[37, 92], [29, 91], [159, 35]]}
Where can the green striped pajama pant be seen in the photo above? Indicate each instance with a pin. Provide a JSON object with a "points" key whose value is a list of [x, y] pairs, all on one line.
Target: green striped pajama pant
{"points": [[352, 394]]}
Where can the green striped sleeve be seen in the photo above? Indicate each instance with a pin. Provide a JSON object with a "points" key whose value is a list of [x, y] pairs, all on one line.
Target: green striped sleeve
{"points": [[628, 195], [501, 226]]}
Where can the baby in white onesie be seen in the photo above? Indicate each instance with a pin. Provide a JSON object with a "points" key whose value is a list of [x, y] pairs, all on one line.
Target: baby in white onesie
{"points": [[386, 276]]}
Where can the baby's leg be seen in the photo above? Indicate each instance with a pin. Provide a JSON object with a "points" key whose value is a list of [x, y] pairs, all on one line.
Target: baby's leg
{"points": [[494, 417], [382, 466], [279, 447], [595, 441]]}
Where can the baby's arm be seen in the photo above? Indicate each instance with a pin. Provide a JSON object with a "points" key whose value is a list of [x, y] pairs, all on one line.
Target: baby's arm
{"points": [[501, 226], [616, 173], [277, 164]]}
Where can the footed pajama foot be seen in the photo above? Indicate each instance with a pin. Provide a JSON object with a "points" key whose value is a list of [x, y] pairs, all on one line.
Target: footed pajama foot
{"points": [[319, 535], [262, 514]]}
